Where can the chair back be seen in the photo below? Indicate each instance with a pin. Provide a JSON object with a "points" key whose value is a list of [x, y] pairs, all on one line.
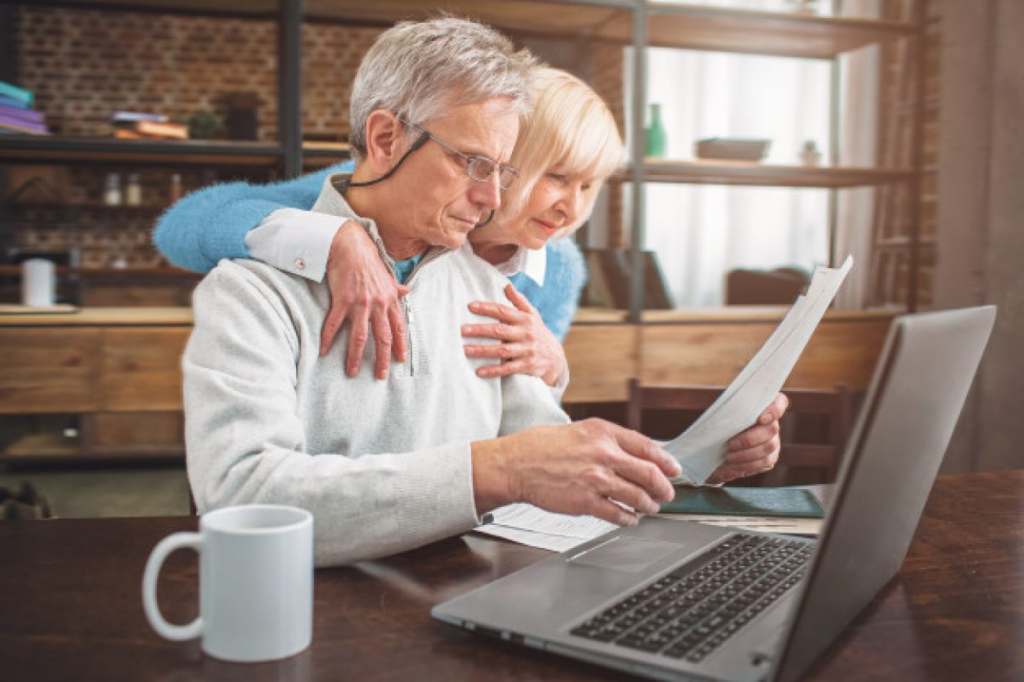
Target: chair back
{"points": [[835, 407]]}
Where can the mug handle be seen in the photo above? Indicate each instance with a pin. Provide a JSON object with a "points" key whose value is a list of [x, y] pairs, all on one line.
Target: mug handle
{"points": [[166, 630]]}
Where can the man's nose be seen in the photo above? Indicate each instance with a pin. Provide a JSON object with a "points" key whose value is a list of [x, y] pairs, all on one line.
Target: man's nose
{"points": [[487, 193]]}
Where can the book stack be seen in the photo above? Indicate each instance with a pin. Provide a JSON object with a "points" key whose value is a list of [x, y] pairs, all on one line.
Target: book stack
{"points": [[16, 112], [136, 125]]}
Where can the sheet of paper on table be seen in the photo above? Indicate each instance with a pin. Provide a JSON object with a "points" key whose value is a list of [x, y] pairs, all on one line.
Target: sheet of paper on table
{"points": [[534, 527], [702, 448], [758, 524]]}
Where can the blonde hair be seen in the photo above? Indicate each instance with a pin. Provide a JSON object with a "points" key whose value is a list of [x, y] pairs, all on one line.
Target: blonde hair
{"points": [[571, 129]]}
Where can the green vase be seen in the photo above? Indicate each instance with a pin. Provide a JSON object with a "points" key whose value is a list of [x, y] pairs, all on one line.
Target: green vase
{"points": [[655, 134]]}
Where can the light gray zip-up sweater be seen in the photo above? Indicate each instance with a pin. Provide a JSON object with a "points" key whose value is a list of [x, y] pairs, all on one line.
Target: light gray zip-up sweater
{"points": [[384, 466]]}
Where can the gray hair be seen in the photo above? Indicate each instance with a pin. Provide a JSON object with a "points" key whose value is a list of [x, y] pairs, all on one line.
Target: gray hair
{"points": [[420, 69]]}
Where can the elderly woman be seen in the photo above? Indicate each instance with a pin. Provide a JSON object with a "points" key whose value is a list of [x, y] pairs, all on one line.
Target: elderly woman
{"points": [[567, 147]]}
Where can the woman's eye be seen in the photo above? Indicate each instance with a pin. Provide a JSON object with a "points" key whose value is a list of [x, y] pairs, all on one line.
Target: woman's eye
{"points": [[558, 176], [585, 186]]}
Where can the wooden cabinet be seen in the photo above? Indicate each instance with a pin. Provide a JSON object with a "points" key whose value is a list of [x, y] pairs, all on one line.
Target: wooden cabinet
{"points": [[706, 352], [121, 368], [114, 373], [709, 347], [602, 360]]}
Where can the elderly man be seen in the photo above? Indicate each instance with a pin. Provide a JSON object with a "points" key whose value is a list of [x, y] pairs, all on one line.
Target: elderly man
{"points": [[389, 465]]}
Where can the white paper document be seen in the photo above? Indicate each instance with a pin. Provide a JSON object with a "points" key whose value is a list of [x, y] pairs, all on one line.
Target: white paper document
{"points": [[532, 526], [760, 524], [702, 448]]}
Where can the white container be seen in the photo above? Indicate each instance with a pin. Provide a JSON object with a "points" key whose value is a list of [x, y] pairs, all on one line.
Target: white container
{"points": [[112, 190], [133, 191], [38, 283], [255, 583]]}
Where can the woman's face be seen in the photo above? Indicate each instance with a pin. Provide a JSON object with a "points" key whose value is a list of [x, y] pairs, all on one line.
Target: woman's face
{"points": [[558, 199]]}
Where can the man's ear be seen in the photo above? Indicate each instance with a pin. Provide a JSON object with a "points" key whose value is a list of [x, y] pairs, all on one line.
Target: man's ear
{"points": [[383, 141]]}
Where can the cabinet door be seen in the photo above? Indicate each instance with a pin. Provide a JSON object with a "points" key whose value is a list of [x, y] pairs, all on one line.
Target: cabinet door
{"points": [[712, 354], [602, 360], [141, 369], [48, 370]]}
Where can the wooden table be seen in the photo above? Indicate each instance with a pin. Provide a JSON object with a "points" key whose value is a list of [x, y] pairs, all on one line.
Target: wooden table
{"points": [[70, 606]]}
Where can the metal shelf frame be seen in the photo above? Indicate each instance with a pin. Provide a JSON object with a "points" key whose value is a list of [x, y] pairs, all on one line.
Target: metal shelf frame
{"points": [[859, 33]]}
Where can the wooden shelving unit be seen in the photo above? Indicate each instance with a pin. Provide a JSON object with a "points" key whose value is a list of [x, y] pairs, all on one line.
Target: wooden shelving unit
{"points": [[50, 448], [87, 150], [131, 354], [229, 8], [84, 150], [162, 272], [749, 173], [781, 34], [777, 34], [683, 26]]}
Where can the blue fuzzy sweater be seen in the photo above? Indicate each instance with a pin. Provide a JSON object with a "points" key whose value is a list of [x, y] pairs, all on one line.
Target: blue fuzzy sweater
{"points": [[211, 224]]}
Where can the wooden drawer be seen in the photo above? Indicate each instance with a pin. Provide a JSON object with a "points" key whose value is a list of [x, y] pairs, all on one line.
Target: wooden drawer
{"points": [[602, 359], [141, 369], [49, 370], [713, 354]]}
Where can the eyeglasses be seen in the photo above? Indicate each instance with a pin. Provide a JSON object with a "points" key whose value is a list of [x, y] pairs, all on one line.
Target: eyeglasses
{"points": [[478, 168]]}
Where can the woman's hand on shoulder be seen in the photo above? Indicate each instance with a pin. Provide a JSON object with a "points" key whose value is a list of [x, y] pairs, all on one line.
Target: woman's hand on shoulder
{"points": [[364, 293], [527, 346]]}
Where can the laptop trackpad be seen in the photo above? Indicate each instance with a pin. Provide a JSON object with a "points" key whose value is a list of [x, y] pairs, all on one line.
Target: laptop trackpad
{"points": [[625, 553]]}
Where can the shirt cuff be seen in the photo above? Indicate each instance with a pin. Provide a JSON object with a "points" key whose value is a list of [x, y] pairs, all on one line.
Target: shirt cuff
{"points": [[294, 241], [558, 390]]}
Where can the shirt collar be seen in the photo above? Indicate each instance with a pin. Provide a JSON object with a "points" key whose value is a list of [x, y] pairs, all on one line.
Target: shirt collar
{"points": [[531, 263], [332, 201]]}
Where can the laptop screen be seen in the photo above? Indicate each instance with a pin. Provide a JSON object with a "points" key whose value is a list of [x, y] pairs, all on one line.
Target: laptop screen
{"points": [[911, 408]]}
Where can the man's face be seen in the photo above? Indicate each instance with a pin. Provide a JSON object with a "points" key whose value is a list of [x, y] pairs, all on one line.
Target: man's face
{"points": [[439, 201]]}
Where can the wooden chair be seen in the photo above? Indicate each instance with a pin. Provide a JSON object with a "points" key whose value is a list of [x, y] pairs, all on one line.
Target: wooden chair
{"points": [[823, 455]]}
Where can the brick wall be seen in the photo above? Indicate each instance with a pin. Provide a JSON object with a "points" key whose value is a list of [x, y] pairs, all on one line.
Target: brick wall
{"points": [[330, 59], [104, 236], [85, 64]]}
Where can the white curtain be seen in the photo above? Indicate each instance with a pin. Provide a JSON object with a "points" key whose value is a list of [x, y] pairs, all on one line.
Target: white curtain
{"points": [[700, 232]]}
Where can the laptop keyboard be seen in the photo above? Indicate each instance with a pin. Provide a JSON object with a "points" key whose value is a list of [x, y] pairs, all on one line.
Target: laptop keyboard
{"points": [[692, 610]]}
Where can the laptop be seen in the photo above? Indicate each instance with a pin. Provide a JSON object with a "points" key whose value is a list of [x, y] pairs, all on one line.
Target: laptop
{"points": [[676, 600]]}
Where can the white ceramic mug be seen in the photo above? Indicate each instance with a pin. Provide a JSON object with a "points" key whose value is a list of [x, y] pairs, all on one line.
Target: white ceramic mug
{"points": [[255, 583]]}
